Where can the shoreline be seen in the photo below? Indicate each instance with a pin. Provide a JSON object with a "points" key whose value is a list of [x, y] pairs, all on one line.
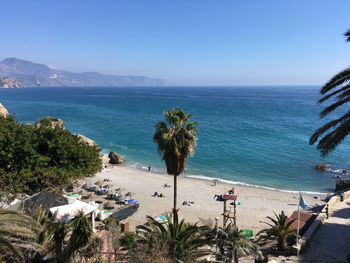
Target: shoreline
{"points": [[227, 182], [256, 202]]}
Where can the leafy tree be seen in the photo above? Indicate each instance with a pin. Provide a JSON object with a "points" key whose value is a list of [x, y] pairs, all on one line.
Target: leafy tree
{"points": [[280, 229], [338, 89], [184, 242], [233, 241], [36, 158], [176, 139], [18, 237]]}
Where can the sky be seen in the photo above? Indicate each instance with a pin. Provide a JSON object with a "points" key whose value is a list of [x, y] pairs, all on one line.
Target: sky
{"points": [[185, 42]]}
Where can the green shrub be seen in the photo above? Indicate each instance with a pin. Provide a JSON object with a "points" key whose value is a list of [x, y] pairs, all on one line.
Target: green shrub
{"points": [[36, 158], [128, 240]]}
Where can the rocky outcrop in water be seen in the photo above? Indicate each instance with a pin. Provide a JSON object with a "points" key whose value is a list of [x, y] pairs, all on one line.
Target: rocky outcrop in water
{"points": [[323, 167], [3, 111], [342, 185], [49, 122], [7, 83], [116, 158]]}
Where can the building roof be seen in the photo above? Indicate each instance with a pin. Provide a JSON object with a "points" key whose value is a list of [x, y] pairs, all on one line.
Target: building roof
{"points": [[45, 200]]}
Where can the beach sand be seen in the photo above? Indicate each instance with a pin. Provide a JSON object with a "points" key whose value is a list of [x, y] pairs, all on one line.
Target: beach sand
{"points": [[256, 203]]}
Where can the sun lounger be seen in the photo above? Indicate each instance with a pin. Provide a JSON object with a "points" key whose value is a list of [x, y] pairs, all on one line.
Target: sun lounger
{"points": [[247, 233]]}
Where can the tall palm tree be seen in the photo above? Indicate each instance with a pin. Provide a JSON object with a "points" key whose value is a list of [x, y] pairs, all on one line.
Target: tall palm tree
{"points": [[18, 234], [233, 240], [183, 242], [280, 229], [338, 89], [176, 139]]}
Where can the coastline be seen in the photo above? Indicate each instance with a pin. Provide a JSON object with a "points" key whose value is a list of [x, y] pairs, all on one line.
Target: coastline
{"points": [[227, 182], [256, 202]]}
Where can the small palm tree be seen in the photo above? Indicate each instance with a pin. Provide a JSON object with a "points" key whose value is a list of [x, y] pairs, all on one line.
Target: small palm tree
{"points": [[57, 233], [184, 242], [18, 234], [80, 237], [233, 241], [337, 88], [176, 139], [280, 229]]}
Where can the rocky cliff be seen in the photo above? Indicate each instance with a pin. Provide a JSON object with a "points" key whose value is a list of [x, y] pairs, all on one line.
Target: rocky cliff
{"points": [[7, 83], [3, 111]]}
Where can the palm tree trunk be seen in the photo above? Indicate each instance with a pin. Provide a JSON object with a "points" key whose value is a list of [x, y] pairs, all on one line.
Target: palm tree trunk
{"points": [[175, 192], [282, 244]]}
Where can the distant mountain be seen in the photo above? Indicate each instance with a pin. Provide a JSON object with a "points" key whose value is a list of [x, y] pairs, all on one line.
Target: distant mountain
{"points": [[34, 74]]}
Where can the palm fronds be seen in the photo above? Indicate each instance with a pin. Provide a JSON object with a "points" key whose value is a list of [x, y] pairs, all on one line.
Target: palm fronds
{"points": [[337, 88], [18, 234], [175, 139], [184, 242], [279, 229]]}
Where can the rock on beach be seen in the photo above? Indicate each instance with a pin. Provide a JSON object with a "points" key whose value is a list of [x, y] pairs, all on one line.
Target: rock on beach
{"points": [[116, 158]]}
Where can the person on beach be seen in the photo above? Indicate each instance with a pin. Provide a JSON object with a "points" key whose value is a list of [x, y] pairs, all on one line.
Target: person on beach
{"points": [[149, 168], [327, 215]]}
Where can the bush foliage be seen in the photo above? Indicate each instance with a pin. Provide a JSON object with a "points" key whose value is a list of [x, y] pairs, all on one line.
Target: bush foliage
{"points": [[36, 158]]}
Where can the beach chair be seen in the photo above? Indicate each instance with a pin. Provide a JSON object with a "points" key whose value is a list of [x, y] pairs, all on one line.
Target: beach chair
{"points": [[247, 233], [87, 196]]}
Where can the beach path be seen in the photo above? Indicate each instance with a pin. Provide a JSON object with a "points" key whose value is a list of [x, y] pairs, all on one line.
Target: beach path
{"points": [[331, 242]]}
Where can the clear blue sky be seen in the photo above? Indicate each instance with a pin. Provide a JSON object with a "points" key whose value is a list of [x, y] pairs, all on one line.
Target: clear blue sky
{"points": [[186, 42]]}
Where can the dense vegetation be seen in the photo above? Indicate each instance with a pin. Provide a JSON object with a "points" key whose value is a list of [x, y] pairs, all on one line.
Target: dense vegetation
{"points": [[39, 157]]}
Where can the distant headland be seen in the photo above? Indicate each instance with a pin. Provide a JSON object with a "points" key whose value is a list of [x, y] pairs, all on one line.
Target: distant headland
{"points": [[16, 73]]}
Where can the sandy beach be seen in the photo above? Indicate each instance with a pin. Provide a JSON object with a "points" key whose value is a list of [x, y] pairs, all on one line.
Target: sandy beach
{"points": [[256, 203]]}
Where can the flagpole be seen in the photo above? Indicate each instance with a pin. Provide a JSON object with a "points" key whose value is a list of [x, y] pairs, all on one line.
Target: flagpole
{"points": [[298, 221]]}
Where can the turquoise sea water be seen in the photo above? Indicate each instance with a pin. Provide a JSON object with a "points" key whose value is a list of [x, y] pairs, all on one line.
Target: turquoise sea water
{"points": [[252, 135]]}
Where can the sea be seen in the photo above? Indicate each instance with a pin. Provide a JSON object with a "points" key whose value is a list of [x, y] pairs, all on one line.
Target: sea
{"points": [[256, 136]]}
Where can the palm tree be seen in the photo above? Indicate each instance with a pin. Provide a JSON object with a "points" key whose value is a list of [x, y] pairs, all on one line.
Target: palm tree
{"points": [[233, 240], [176, 138], [80, 237], [57, 233], [338, 88], [183, 241], [18, 234], [53, 234], [279, 230]]}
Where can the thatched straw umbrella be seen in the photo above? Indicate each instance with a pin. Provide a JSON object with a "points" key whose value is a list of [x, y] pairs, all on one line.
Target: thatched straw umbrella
{"points": [[108, 206]]}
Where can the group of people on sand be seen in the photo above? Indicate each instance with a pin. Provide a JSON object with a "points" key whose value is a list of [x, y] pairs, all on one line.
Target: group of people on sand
{"points": [[158, 195], [189, 203]]}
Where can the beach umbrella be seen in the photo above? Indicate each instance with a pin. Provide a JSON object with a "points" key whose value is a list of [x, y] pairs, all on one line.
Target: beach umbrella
{"points": [[108, 186], [108, 206]]}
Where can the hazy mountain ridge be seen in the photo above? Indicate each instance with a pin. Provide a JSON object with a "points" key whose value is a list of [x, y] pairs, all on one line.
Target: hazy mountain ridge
{"points": [[34, 74]]}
